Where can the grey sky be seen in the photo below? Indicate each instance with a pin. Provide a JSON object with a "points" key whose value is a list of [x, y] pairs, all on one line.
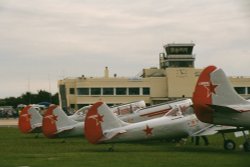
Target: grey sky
{"points": [[42, 41]]}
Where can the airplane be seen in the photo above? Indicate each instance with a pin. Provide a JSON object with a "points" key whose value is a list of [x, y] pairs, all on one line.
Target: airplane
{"points": [[79, 115], [216, 102], [30, 120], [57, 124], [154, 111], [103, 126]]}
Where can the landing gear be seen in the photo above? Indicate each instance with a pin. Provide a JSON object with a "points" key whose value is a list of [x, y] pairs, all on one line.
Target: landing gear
{"points": [[111, 149], [246, 145], [229, 145], [63, 141], [37, 135]]}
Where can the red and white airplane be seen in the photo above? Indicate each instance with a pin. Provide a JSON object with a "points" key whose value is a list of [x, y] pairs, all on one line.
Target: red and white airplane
{"points": [[30, 120], [57, 124], [216, 101], [103, 126]]}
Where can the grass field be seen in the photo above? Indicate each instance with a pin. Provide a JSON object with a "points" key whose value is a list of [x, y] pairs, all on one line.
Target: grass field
{"points": [[18, 149]]}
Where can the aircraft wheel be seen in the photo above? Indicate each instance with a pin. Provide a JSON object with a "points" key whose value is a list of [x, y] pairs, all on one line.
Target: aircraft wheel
{"points": [[229, 145], [246, 146]]}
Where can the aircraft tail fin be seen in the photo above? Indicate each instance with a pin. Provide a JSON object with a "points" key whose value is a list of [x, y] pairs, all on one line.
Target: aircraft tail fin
{"points": [[213, 88], [98, 121], [49, 126], [30, 120], [55, 121]]}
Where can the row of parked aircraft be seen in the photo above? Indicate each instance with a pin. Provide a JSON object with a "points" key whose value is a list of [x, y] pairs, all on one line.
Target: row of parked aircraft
{"points": [[214, 105]]}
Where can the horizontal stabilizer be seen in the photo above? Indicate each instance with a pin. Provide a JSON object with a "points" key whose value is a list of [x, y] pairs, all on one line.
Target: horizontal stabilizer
{"points": [[214, 129], [65, 128], [223, 109], [110, 135]]}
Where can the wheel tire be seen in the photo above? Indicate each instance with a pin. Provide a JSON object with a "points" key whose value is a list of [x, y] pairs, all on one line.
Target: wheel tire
{"points": [[229, 145], [246, 146]]}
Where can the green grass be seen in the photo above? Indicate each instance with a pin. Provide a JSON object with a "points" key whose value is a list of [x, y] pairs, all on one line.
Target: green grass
{"points": [[18, 149]]}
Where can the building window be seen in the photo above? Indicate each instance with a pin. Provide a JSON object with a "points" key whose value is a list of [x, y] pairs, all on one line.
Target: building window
{"points": [[81, 105], [134, 91], [72, 105], [121, 91], [146, 91], [108, 91], [83, 91], [248, 90], [240, 90], [72, 91], [95, 91]]}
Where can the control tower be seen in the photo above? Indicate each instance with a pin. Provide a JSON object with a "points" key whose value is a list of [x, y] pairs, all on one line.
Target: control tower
{"points": [[177, 56]]}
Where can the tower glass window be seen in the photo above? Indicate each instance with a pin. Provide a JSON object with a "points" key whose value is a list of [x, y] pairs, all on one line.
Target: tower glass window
{"points": [[179, 50]]}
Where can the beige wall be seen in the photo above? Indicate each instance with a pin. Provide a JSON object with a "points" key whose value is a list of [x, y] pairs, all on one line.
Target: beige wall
{"points": [[181, 81]]}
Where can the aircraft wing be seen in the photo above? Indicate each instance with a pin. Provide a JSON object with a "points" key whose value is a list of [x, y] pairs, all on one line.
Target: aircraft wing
{"points": [[214, 129], [65, 128]]}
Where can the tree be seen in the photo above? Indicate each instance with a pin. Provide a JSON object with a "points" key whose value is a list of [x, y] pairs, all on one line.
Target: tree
{"points": [[30, 98]]}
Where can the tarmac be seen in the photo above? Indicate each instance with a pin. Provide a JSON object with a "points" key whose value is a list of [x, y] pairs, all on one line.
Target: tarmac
{"points": [[8, 122]]}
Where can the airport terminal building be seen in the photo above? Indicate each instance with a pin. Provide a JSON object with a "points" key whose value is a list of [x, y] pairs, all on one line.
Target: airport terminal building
{"points": [[175, 78]]}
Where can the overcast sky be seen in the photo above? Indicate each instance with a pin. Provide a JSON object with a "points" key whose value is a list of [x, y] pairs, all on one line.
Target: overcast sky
{"points": [[42, 41]]}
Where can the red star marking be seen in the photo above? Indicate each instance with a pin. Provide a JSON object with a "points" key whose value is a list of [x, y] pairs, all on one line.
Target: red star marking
{"points": [[148, 130], [27, 117], [52, 118], [193, 123], [98, 118], [210, 88]]}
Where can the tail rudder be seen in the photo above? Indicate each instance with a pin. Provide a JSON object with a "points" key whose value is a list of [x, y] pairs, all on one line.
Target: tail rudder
{"points": [[49, 122], [213, 88], [36, 119], [224, 93], [24, 124], [63, 121], [99, 119], [203, 95]]}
